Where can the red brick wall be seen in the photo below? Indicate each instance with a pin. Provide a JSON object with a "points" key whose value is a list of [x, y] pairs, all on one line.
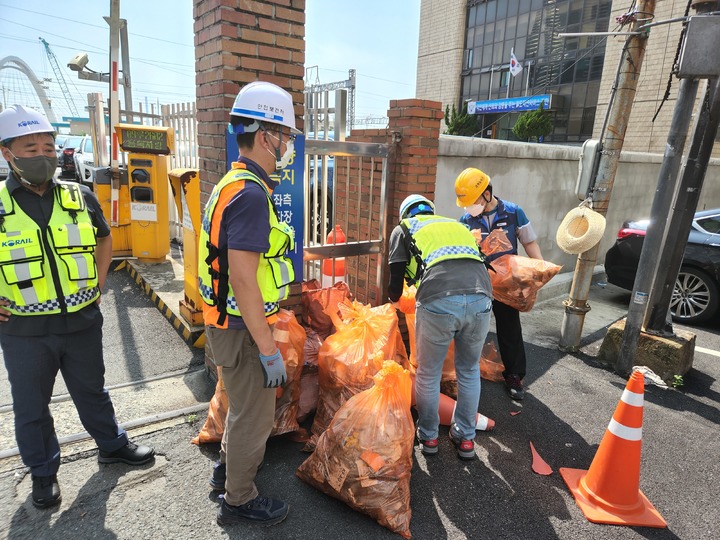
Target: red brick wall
{"points": [[240, 41], [237, 42], [413, 134]]}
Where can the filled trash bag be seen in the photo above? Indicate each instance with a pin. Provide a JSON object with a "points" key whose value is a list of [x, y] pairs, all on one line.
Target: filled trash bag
{"points": [[290, 339], [496, 241], [309, 386], [364, 458], [517, 280], [318, 303], [212, 430], [348, 359], [491, 367]]}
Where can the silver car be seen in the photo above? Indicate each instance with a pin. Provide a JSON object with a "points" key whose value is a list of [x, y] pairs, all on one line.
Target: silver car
{"points": [[4, 168]]}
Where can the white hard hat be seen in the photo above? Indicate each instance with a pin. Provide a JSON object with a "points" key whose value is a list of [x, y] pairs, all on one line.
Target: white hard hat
{"points": [[17, 121], [415, 204], [265, 102]]}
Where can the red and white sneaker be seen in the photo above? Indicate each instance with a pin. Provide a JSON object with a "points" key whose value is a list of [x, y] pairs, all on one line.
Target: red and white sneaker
{"points": [[428, 447], [465, 447]]}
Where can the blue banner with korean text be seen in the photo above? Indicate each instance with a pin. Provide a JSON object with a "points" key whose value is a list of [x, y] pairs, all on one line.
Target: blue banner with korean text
{"points": [[526, 103], [288, 196]]}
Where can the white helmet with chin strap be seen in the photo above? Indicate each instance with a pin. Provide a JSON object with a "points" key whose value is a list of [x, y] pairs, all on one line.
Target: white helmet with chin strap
{"points": [[263, 102], [17, 121], [266, 103]]}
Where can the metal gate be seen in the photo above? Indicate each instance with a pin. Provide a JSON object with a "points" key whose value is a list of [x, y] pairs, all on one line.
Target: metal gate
{"points": [[346, 186]]}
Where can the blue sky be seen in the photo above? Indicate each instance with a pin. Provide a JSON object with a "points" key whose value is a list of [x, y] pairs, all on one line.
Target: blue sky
{"points": [[379, 39]]}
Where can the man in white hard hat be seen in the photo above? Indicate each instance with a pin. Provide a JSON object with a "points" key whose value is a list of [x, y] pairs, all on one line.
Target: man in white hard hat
{"points": [[244, 273], [55, 250], [454, 298]]}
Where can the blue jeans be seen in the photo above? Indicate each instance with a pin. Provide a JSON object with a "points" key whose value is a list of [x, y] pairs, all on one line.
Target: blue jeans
{"points": [[466, 319]]}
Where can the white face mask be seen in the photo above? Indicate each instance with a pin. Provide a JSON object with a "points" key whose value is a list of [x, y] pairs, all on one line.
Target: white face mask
{"points": [[475, 209], [285, 159]]}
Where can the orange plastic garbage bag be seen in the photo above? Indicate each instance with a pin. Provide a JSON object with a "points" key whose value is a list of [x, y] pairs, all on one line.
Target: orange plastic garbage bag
{"points": [[318, 302], [309, 386], [290, 339], [517, 279], [348, 359], [364, 458], [495, 242], [491, 367], [212, 430]]}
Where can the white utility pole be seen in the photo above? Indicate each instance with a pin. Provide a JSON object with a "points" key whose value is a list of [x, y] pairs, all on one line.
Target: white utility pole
{"points": [[114, 107]]}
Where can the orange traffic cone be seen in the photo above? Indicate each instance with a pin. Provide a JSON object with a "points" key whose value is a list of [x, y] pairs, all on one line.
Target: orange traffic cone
{"points": [[447, 415], [609, 492], [333, 270]]}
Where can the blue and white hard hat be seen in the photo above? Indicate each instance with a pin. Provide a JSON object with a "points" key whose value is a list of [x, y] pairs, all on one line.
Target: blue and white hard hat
{"points": [[17, 121], [264, 102], [415, 204]]}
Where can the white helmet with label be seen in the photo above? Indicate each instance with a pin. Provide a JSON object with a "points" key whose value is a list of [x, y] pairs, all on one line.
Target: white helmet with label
{"points": [[17, 121], [265, 102]]}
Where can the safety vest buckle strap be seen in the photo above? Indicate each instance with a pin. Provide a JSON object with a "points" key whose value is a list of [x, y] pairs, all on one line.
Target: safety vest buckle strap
{"points": [[212, 253], [414, 252]]}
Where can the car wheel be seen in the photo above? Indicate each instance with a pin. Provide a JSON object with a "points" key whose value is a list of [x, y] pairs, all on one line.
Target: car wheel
{"points": [[695, 297]]}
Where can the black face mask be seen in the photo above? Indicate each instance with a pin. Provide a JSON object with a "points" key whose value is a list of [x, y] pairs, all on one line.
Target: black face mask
{"points": [[35, 170]]}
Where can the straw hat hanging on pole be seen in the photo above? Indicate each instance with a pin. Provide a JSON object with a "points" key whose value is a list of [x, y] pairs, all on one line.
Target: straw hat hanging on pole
{"points": [[581, 229]]}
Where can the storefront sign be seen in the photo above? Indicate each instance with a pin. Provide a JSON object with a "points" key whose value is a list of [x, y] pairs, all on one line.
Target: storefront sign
{"points": [[526, 103]]}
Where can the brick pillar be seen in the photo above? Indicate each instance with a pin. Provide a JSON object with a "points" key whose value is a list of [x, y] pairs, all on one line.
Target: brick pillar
{"points": [[413, 133], [237, 42]]}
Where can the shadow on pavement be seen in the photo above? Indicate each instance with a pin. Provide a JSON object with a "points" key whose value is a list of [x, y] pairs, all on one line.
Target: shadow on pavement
{"points": [[89, 507]]}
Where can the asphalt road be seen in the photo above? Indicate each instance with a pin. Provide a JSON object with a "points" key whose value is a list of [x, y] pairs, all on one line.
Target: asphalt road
{"points": [[570, 400]]}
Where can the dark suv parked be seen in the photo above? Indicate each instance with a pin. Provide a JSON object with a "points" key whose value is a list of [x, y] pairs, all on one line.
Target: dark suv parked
{"points": [[65, 159], [695, 297]]}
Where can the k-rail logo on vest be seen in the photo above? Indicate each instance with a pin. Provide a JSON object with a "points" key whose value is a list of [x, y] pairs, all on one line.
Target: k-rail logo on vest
{"points": [[18, 242]]}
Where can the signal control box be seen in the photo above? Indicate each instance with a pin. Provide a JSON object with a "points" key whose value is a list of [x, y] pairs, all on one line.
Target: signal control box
{"points": [[148, 148]]}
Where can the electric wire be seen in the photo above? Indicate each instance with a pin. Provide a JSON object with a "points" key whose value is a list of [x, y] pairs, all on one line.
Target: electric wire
{"points": [[675, 65]]}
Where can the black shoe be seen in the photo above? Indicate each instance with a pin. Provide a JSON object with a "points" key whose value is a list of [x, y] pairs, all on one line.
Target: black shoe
{"points": [[45, 491], [514, 385], [217, 480], [261, 510], [131, 453]]}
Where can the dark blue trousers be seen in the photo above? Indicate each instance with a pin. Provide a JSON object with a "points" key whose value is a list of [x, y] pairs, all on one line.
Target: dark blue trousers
{"points": [[510, 339], [32, 364]]}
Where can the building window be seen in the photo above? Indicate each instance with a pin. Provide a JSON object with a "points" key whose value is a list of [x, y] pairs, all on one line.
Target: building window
{"points": [[504, 78], [468, 58], [588, 121]]}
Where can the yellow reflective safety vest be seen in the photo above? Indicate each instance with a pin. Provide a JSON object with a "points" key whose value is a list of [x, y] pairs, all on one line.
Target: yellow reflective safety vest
{"points": [[275, 272], [434, 239], [48, 271]]}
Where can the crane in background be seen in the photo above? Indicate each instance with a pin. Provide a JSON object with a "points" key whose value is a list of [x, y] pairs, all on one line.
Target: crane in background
{"points": [[60, 77]]}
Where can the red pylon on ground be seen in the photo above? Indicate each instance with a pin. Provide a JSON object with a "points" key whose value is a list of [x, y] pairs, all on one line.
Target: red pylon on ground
{"points": [[609, 492]]}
